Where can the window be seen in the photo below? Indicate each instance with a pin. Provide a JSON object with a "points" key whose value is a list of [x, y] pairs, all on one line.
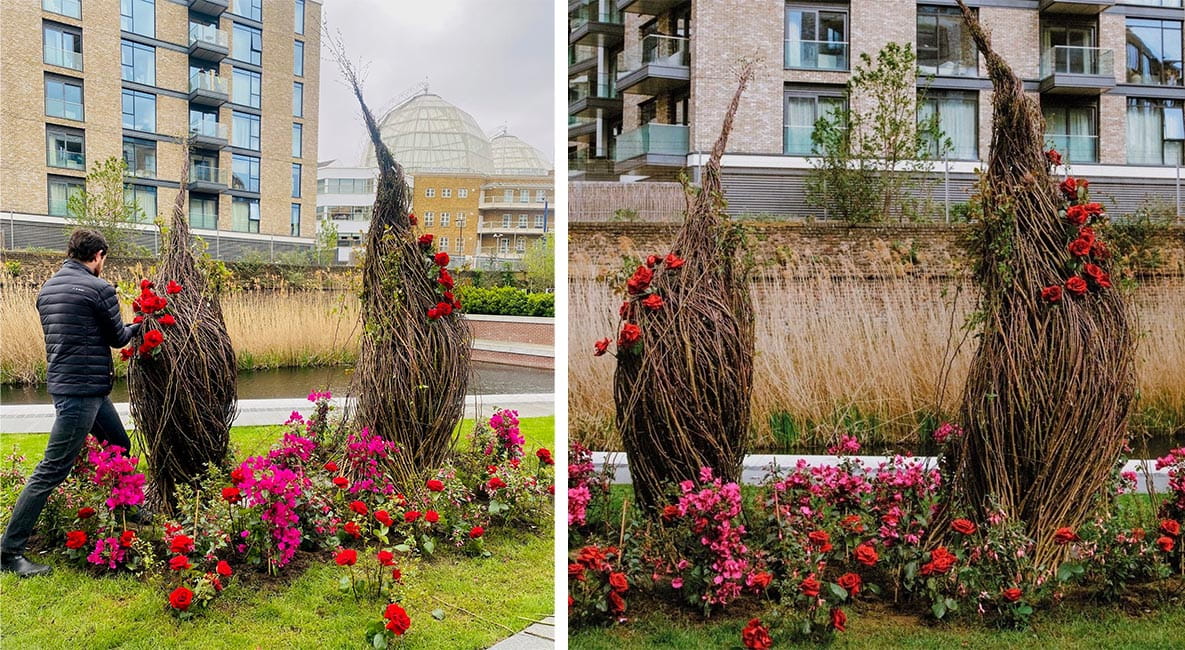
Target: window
{"points": [[444, 219], [244, 214], [801, 111], [297, 99], [298, 58], [958, 117], [245, 88], [460, 220], [503, 245], [138, 17], [944, 46], [816, 39], [62, 46], [205, 168], [444, 243], [463, 193], [430, 192], [346, 185], [524, 196], [541, 196], [252, 9], [246, 44], [297, 140], [60, 190], [1154, 52], [508, 196], [245, 130], [140, 156], [1071, 49], [294, 221], [139, 62], [203, 212], [506, 219], [296, 180], [1072, 130], [244, 172], [144, 198], [540, 222], [139, 111], [459, 247], [522, 221], [298, 18], [520, 244], [1155, 131], [71, 8], [429, 219], [63, 98], [446, 193], [65, 148]]}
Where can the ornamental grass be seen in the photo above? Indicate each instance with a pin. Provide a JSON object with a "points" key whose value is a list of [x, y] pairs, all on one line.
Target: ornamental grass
{"points": [[182, 393], [685, 354], [1049, 389]]}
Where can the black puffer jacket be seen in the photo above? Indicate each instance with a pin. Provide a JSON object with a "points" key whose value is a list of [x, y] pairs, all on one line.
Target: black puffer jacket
{"points": [[81, 321]]}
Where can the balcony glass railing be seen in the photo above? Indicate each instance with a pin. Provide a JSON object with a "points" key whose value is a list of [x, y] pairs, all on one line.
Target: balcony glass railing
{"points": [[67, 159], [207, 81], [1073, 59], [594, 11], [1074, 148], [208, 34], [64, 58], [208, 128], [1173, 4], [207, 174], [653, 138], [656, 49], [603, 88], [817, 55]]}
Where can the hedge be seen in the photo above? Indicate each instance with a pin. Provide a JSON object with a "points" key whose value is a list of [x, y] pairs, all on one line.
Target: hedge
{"points": [[505, 301]]}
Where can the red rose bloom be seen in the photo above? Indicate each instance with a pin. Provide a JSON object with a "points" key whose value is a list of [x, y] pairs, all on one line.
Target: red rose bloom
{"points": [[851, 582], [810, 587], [616, 602], [819, 537], [397, 619], [181, 544], [386, 558], [1053, 157], [181, 598], [630, 334], [497, 483], [411, 515], [1170, 527], [237, 474], [172, 288], [223, 569], [1012, 594], [353, 529], [673, 261], [384, 517], [626, 310], [1092, 209], [1165, 543], [965, 526], [670, 512], [411, 218], [1076, 214], [1076, 285], [127, 353], [838, 619], [640, 280], [167, 320], [618, 582], [179, 563], [359, 507], [396, 574], [436, 485], [126, 538], [1087, 233], [1079, 247], [331, 466], [476, 531], [86, 513], [651, 260], [852, 523], [444, 279], [755, 636], [575, 571], [1065, 535], [440, 259], [544, 456], [941, 561], [865, 554], [600, 347], [341, 481], [231, 494], [153, 338], [760, 580], [426, 241], [146, 284], [346, 557], [1069, 187], [1098, 250], [75, 539], [653, 302], [444, 308], [431, 516], [1052, 293]]}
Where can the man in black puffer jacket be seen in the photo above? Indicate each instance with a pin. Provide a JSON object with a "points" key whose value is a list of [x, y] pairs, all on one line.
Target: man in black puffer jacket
{"points": [[81, 320]]}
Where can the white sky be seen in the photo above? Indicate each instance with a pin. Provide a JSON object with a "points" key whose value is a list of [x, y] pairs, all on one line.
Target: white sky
{"points": [[492, 58]]}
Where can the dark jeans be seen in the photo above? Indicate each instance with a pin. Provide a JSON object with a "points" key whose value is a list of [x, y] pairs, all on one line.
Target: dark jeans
{"points": [[75, 417]]}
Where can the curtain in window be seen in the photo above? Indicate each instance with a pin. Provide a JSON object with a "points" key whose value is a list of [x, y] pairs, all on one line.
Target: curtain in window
{"points": [[1144, 132], [800, 123]]}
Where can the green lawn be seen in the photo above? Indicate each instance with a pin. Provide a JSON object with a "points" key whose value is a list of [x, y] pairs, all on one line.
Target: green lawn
{"points": [[481, 597]]}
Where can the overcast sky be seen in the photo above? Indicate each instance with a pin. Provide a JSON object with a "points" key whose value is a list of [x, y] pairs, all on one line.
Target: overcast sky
{"points": [[494, 60]]}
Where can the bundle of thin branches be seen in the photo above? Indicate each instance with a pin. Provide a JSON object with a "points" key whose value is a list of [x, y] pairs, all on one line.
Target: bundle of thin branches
{"points": [[183, 396], [682, 390], [1046, 403], [414, 367]]}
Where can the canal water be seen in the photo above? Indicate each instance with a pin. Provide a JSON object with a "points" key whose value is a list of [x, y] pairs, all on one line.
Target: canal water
{"points": [[488, 379]]}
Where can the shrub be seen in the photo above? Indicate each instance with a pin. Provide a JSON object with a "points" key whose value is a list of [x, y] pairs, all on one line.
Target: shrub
{"points": [[505, 301]]}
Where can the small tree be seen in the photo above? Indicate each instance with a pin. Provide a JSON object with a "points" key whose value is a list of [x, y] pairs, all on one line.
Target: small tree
{"points": [[104, 206], [539, 263], [875, 155]]}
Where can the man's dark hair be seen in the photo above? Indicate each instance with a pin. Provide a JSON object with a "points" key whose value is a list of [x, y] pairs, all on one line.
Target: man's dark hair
{"points": [[85, 244]]}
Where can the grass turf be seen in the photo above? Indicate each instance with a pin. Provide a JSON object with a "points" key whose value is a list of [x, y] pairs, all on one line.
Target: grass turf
{"points": [[483, 599]]}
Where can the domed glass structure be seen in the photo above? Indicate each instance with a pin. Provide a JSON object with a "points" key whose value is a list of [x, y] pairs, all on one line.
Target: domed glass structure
{"points": [[513, 157], [429, 135]]}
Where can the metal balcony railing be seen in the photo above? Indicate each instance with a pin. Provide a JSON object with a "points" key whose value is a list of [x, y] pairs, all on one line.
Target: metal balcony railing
{"points": [[1077, 60], [816, 55], [653, 138], [208, 81], [64, 58], [208, 128], [208, 34], [601, 88], [594, 12], [208, 174], [657, 49]]}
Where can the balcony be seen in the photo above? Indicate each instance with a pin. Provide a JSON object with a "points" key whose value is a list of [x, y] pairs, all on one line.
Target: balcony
{"points": [[647, 7], [205, 133], [205, 178], [586, 98], [580, 127], [210, 7], [1075, 70], [652, 145], [496, 202], [581, 59], [208, 43], [589, 25], [662, 64], [64, 58], [491, 227], [1074, 148], [208, 89], [816, 55], [1076, 7]]}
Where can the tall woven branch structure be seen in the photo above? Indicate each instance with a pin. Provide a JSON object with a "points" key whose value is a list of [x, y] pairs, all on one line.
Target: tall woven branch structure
{"points": [[1047, 398], [683, 395], [413, 371], [183, 398]]}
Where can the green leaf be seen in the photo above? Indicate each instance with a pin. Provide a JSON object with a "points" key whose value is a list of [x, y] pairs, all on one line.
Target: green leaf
{"points": [[952, 604], [1025, 610], [911, 570], [379, 641], [344, 583], [429, 545], [438, 614], [939, 609], [403, 548], [875, 590], [839, 592]]}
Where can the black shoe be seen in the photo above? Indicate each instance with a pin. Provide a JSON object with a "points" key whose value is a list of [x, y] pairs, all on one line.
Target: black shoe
{"points": [[19, 565]]}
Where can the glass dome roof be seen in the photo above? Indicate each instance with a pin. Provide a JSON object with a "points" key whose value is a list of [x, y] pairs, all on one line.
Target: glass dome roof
{"points": [[513, 157], [428, 134]]}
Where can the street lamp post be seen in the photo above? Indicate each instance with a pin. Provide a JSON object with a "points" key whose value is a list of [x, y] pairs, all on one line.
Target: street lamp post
{"points": [[497, 242]]}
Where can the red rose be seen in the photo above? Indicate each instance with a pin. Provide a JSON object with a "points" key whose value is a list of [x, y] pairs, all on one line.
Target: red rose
{"points": [[1052, 293], [653, 302], [600, 347], [341, 481], [497, 483], [965, 526], [865, 554], [1079, 247], [444, 279], [386, 558], [346, 557], [1092, 209], [544, 456], [217, 584], [411, 515], [476, 531], [1087, 233], [86, 513], [1098, 250], [941, 561], [396, 574], [231, 494], [819, 537], [575, 571], [1165, 543], [384, 517], [181, 544], [426, 241], [810, 587], [146, 284], [359, 507], [411, 218], [397, 619], [1076, 285], [440, 259], [433, 313], [436, 485], [640, 280], [1069, 187], [851, 582], [616, 602], [179, 563], [618, 582], [127, 353], [651, 260], [172, 288], [760, 580], [1012, 594], [1053, 157], [630, 334], [838, 619], [1170, 527], [237, 475], [670, 512], [224, 569], [1138, 534], [673, 261], [444, 308], [352, 529], [331, 466], [431, 516], [1076, 214], [126, 538], [75, 539], [1065, 536], [153, 338], [181, 598], [626, 311], [755, 636], [167, 320], [852, 523]]}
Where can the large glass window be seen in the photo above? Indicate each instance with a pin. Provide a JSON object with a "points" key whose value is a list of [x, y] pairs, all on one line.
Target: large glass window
{"points": [[244, 172], [140, 156], [139, 62], [345, 185], [252, 9], [816, 38], [1154, 52], [294, 221], [138, 16], [297, 99], [297, 140], [71, 8], [60, 189], [958, 117], [203, 212], [62, 46], [246, 44], [801, 112], [1155, 131], [144, 198], [245, 128], [65, 148], [244, 214], [298, 58], [298, 20], [139, 111], [296, 180], [63, 98], [205, 122], [1072, 49], [1072, 130], [944, 46], [246, 88]]}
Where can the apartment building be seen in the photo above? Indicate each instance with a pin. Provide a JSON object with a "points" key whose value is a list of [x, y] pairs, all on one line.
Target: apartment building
{"points": [[238, 78], [650, 80]]}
